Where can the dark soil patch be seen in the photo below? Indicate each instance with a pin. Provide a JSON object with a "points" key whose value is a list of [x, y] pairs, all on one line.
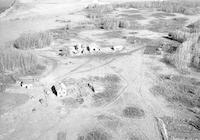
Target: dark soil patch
{"points": [[133, 112], [9, 101], [95, 135]]}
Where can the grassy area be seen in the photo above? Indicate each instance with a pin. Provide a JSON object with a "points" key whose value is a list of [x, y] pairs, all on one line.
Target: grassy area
{"points": [[33, 40], [167, 25], [112, 23], [184, 91], [111, 85]]}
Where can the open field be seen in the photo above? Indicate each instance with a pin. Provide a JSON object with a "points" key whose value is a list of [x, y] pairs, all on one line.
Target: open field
{"points": [[100, 70]]}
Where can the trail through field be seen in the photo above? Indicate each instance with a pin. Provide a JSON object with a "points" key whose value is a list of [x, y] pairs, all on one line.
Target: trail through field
{"points": [[130, 68], [42, 117]]}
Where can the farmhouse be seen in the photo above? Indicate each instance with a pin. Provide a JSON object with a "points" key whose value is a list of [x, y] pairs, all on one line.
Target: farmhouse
{"points": [[59, 90], [84, 49]]}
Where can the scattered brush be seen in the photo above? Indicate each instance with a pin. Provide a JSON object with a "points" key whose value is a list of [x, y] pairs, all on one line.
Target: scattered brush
{"points": [[13, 60], [112, 23], [175, 92], [33, 40]]}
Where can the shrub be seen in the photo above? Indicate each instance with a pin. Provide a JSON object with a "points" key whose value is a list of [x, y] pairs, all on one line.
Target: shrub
{"points": [[33, 40]]}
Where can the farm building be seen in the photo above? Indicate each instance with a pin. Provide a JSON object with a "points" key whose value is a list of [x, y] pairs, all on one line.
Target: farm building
{"points": [[59, 90], [79, 49]]}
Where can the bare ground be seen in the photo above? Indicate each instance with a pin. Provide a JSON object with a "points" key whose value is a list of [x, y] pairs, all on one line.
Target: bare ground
{"points": [[129, 113]]}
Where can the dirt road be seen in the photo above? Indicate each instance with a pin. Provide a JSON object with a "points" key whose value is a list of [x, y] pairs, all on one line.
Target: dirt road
{"points": [[46, 121], [36, 120]]}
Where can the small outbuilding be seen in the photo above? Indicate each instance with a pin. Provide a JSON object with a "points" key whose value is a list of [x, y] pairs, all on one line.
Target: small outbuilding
{"points": [[59, 90]]}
